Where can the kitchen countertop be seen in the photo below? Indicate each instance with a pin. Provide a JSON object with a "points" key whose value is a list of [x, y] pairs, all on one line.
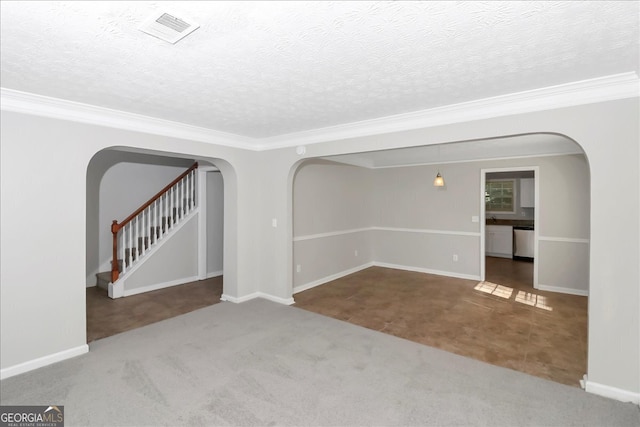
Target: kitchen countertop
{"points": [[511, 222]]}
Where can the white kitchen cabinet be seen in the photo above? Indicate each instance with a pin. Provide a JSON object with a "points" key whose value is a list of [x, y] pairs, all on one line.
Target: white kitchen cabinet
{"points": [[527, 199], [499, 241]]}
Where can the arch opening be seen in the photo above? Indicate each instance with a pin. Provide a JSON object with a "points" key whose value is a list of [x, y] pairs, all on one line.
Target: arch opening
{"points": [[412, 226], [183, 272]]}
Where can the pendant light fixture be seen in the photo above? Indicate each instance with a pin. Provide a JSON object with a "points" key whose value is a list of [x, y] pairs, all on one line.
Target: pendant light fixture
{"points": [[439, 181]]}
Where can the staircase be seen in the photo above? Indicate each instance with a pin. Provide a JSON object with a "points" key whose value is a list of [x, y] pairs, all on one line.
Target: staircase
{"points": [[145, 229]]}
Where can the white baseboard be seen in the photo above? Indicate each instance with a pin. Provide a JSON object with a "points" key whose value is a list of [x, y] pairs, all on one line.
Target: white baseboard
{"points": [[612, 392], [245, 298], [427, 270], [331, 277], [562, 290], [214, 274], [238, 300], [155, 287], [279, 300], [496, 255], [43, 361], [335, 276]]}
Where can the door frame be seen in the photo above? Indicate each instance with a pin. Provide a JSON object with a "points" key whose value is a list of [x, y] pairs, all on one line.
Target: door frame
{"points": [[536, 215]]}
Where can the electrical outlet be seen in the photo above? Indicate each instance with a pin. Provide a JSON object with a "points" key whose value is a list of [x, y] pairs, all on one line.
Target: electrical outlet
{"points": [[355, 252], [298, 268], [455, 257]]}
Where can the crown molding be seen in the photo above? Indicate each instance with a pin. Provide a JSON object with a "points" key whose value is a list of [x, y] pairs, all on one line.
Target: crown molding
{"points": [[39, 105], [367, 165], [601, 89]]}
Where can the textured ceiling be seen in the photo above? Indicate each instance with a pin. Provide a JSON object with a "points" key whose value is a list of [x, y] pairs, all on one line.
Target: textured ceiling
{"points": [[261, 69]]}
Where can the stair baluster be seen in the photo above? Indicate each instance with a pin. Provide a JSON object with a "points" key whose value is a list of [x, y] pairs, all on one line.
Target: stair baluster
{"points": [[189, 192], [148, 224], [179, 197], [145, 230], [128, 250], [177, 205], [165, 213], [122, 255], [169, 213], [155, 221]]}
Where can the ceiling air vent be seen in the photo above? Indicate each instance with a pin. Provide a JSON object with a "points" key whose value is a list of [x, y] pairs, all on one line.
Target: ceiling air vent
{"points": [[168, 27]]}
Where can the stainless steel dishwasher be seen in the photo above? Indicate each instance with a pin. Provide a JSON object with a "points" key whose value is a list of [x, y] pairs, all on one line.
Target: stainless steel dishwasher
{"points": [[523, 243]]}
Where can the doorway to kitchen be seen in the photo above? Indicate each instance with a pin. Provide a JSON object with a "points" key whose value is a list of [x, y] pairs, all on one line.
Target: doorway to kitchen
{"points": [[509, 250]]}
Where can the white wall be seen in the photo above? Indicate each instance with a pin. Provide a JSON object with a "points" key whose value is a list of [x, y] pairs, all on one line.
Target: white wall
{"points": [[215, 223], [412, 224], [442, 217], [332, 206]]}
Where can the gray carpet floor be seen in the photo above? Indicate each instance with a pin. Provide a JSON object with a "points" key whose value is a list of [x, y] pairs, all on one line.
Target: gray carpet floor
{"points": [[261, 364]]}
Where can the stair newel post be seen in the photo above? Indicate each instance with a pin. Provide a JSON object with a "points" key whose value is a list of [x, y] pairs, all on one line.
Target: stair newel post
{"points": [[114, 264]]}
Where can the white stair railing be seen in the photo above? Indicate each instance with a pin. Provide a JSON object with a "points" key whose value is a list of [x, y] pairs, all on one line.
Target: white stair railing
{"points": [[149, 224]]}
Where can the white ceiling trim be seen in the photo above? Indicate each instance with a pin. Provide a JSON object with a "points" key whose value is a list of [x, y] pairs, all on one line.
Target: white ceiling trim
{"points": [[364, 164], [39, 105], [608, 88]]}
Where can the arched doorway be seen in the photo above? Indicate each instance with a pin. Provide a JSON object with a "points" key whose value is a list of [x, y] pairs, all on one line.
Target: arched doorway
{"points": [[184, 271], [410, 226]]}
